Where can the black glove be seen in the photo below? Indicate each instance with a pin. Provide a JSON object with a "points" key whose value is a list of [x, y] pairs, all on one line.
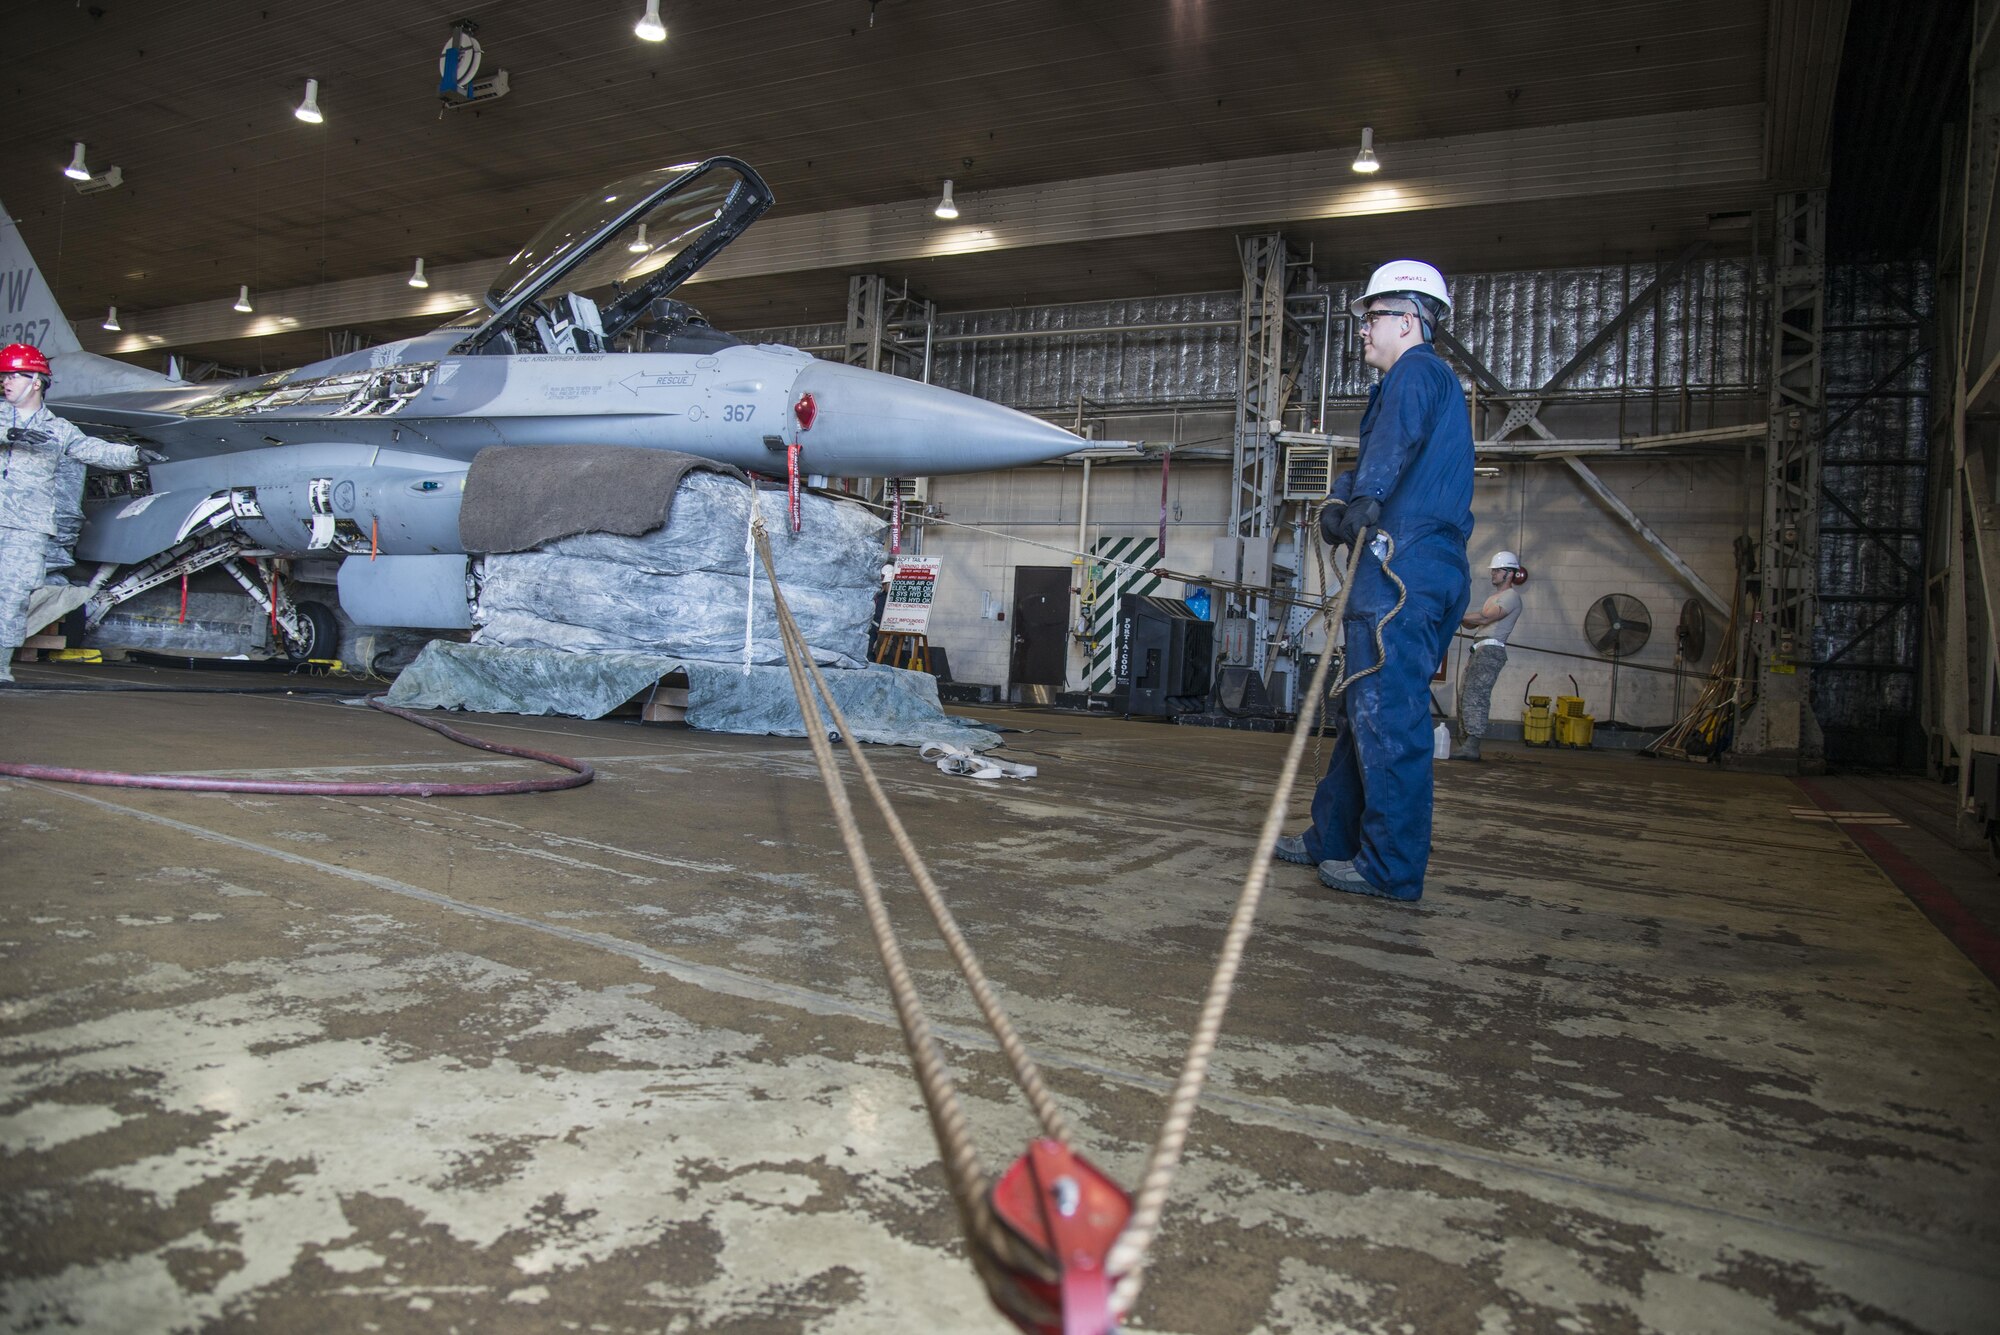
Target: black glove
{"points": [[21, 435], [147, 456], [1361, 514], [1329, 519]]}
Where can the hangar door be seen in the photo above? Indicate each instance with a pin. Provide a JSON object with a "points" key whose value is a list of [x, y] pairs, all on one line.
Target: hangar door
{"points": [[1041, 625]]}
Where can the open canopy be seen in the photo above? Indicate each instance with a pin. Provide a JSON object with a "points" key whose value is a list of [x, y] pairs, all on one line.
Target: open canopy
{"points": [[690, 212]]}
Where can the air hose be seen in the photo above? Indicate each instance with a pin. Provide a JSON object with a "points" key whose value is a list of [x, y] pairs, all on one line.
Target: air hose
{"points": [[581, 773]]}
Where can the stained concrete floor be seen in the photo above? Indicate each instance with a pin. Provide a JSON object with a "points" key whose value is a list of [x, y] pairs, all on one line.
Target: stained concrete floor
{"points": [[1653, 1054]]}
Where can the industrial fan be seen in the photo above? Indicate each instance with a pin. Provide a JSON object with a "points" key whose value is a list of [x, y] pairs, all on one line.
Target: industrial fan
{"points": [[1690, 638], [1617, 626]]}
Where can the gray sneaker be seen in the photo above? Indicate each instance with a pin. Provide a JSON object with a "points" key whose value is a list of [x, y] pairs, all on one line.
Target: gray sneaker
{"points": [[1292, 848], [1346, 876]]}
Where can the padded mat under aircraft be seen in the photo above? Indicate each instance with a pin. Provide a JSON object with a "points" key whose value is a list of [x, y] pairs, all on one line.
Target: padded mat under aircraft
{"points": [[520, 496], [882, 704]]}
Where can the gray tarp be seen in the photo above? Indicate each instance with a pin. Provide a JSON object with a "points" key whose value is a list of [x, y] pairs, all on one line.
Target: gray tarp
{"points": [[680, 590], [882, 704]]}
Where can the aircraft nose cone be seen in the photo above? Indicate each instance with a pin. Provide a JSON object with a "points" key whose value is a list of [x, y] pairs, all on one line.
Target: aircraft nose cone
{"points": [[869, 424]]}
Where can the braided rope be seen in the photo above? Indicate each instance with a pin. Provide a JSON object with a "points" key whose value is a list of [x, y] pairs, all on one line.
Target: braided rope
{"points": [[962, 1166], [1025, 1071], [1127, 1258], [993, 1242], [1381, 650]]}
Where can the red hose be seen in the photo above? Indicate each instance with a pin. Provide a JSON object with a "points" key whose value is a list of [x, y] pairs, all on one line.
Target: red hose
{"points": [[582, 773]]}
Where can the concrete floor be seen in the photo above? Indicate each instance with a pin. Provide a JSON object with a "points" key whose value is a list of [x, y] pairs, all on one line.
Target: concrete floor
{"points": [[1653, 1053]]}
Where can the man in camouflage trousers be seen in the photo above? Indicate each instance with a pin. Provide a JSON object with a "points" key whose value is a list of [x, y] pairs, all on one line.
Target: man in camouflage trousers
{"points": [[35, 486]]}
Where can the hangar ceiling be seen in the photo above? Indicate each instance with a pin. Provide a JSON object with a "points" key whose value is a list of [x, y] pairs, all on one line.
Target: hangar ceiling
{"points": [[1104, 142]]}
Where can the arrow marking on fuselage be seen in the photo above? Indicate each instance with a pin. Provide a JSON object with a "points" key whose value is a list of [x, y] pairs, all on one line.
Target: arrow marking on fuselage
{"points": [[659, 380]]}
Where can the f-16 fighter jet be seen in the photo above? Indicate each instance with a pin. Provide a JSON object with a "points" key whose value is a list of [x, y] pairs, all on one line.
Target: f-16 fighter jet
{"points": [[578, 341]]}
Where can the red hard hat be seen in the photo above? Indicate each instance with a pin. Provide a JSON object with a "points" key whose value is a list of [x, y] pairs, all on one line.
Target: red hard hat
{"points": [[23, 357]]}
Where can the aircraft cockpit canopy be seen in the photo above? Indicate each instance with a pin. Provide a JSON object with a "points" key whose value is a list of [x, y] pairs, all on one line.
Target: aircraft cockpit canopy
{"points": [[686, 214]]}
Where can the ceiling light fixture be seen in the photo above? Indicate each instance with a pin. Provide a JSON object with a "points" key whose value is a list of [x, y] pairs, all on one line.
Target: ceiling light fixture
{"points": [[417, 278], [76, 171], [243, 299], [309, 109], [1364, 161], [649, 28], [111, 320], [946, 209], [640, 245]]}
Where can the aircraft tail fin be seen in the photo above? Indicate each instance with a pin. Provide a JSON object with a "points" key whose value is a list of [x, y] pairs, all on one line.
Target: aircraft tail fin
{"points": [[29, 314]]}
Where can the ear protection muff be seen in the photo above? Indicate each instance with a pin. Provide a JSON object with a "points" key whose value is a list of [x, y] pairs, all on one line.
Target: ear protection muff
{"points": [[1518, 578]]}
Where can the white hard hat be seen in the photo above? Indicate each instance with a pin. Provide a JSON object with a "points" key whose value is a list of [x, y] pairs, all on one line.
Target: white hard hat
{"points": [[1505, 561], [1402, 276]]}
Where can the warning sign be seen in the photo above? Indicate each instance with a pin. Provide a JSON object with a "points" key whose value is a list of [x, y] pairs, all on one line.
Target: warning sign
{"points": [[908, 608]]}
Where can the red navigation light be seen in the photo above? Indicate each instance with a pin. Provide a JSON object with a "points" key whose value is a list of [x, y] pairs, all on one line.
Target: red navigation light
{"points": [[805, 410]]}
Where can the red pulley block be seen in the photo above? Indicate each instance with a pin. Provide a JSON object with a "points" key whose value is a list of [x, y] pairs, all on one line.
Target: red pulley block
{"points": [[1058, 1203]]}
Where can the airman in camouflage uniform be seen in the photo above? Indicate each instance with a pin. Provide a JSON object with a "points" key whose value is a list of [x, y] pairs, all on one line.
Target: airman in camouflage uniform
{"points": [[35, 446]]}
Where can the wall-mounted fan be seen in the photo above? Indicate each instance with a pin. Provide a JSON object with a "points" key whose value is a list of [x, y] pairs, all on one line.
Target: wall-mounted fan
{"points": [[1690, 638], [1617, 626]]}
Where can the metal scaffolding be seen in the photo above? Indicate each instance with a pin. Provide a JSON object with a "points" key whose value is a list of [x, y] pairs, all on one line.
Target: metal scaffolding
{"points": [[1779, 725], [888, 329], [1264, 386], [1961, 697]]}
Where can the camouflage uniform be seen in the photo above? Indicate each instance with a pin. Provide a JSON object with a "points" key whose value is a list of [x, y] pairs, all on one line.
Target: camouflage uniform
{"points": [[33, 499], [69, 519]]}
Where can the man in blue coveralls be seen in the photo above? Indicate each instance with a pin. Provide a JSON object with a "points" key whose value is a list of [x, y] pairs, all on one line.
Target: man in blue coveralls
{"points": [[1371, 826]]}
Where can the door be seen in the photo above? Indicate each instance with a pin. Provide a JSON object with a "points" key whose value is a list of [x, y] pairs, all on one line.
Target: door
{"points": [[1041, 626]]}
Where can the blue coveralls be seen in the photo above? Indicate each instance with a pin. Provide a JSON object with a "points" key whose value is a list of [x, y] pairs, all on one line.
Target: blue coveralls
{"points": [[1373, 808]]}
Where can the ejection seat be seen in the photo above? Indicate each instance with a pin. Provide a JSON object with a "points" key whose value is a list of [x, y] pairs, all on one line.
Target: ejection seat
{"points": [[675, 326]]}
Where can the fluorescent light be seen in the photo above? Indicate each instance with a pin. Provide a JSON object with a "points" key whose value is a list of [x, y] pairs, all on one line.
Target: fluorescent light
{"points": [[309, 109], [649, 28], [111, 320], [243, 299], [640, 245], [76, 171], [1364, 161], [945, 208], [417, 279]]}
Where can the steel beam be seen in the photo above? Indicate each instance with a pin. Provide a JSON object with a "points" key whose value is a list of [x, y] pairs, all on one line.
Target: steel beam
{"points": [[1779, 724], [1591, 481], [1524, 411], [1263, 386], [1962, 556], [1616, 504]]}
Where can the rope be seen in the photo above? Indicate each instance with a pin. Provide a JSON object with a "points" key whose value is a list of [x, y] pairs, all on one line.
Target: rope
{"points": [[963, 1168], [1335, 642], [1128, 1256], [1402, 597], [967, 1178]]}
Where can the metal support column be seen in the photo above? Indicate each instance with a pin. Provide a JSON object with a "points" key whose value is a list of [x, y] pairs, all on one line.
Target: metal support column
{"points": [[1962, 586], [1262, 388], [890, 330], [1779, 726]]}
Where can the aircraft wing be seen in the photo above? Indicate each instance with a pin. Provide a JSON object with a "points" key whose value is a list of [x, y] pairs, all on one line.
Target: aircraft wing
{"points": [[87, 415]]}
